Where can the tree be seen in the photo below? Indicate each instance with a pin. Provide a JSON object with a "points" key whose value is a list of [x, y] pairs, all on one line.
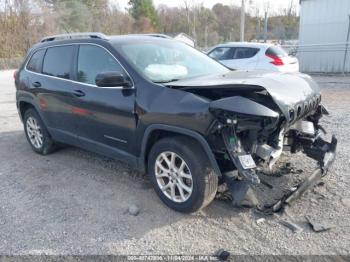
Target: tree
{"points": [[144, 13], [207, 26], [74, 15]]}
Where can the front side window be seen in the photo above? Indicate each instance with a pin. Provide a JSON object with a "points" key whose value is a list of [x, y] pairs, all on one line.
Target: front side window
{"points": [[58, 61], [221, 53], [93, 60], [35, 61], [165, 60], [245, 52]]}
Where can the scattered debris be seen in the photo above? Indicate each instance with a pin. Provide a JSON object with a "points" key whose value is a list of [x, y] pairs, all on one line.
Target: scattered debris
{"points": [[265, 183], [279, 170], [295, 192], [317, 226], [222, 188], [224, 196], [222, 254], [250, 199], [292, 226], [260, 221], [134, 210], [242, 194], [321, 183]]}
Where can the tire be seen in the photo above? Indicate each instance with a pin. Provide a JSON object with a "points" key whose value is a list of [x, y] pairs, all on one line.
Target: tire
{"points": [[34, 127], [203, 182]]}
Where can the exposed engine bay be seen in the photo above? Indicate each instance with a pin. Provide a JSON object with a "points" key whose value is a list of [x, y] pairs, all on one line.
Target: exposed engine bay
{"points": [[264, 133], [254, 124], [249, 144]]}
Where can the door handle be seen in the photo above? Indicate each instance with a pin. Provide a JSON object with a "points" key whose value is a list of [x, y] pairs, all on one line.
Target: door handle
{"points": [[36, 84], [78, 93]]}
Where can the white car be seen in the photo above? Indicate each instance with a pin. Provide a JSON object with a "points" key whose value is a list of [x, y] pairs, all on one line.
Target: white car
{"points": [[254, 56]]}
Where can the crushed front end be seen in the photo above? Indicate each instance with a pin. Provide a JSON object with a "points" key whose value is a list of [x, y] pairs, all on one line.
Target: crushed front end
{"points": [[249, 134]]}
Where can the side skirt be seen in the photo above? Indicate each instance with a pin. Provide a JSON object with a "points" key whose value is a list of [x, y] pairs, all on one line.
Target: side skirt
{"points": [[96, 147]]}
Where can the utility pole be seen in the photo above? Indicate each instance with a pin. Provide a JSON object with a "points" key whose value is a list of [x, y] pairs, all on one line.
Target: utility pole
{"points": [[242, 21], [206, 35], [346, 46], [258, 29], [265, 28]]}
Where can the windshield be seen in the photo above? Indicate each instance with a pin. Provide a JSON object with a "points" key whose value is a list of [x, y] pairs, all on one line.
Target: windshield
{"points": [[166, 61]]}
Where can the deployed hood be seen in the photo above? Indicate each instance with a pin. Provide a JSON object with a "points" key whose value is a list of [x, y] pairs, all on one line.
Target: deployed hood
{"points": [[286, 89]]}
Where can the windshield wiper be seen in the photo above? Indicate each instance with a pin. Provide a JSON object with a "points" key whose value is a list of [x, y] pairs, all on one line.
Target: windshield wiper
{"points": [[166, 81]]}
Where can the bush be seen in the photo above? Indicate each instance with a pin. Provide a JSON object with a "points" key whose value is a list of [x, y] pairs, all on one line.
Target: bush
{"points": [[10, 63]]}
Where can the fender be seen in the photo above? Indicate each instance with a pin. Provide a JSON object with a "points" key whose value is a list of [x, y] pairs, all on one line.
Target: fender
{"points": [[242, 105], [179, 130]]}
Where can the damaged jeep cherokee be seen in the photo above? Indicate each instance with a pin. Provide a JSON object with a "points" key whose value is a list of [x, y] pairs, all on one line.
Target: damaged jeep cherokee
{"points": [[169, 110]]}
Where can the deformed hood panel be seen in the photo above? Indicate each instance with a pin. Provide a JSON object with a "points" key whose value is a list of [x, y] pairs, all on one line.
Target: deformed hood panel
{"points": [[286, 89], [242, 105]]}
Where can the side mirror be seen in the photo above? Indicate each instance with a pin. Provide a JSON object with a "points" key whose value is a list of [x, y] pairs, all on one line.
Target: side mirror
{"points": [[111, 79]]}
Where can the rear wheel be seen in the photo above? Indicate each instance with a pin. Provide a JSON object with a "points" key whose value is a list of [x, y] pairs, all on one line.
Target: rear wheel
{"points": [[36, 133], [181, 174]]}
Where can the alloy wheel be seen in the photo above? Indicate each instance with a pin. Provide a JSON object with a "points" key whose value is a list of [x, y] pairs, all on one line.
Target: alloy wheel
{"points": [[34, 132], [173, 176]]}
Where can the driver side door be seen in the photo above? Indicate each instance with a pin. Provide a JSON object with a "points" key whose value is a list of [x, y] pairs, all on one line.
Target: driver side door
{"points": [[104, 115]]}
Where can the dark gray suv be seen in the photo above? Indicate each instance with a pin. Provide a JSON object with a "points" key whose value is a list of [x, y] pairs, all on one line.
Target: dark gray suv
{"points": [[169, 110]]}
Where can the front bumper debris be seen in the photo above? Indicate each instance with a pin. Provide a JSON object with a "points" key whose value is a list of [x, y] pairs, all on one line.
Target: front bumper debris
{"points": [[325, 155], [312, 146]]}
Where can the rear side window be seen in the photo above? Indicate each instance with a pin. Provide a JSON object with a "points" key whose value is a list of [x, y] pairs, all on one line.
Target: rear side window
{"points": [[221, 53], [93, 60], [57, 61], [35, 61], [245, 52], [276, 51]]}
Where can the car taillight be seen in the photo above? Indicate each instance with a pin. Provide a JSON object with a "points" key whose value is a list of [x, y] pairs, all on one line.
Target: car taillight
{"points": [[275, 60]]}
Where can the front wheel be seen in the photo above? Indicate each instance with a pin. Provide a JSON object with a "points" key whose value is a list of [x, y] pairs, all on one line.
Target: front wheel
{"points": [[181, 174]]}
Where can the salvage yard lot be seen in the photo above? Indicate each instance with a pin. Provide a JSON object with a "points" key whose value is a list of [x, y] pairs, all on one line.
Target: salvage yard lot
{"points": [[75, 202]]}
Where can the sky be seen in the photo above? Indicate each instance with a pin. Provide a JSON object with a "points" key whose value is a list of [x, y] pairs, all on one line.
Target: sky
{"points": [[274, 5]]}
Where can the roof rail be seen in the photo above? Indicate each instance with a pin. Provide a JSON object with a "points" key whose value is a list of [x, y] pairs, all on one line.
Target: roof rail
{"points": [[74, 36], [157, 35]]}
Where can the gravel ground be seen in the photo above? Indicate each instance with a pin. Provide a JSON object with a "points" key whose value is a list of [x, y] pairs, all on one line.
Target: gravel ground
{"points": [[76, 202]]}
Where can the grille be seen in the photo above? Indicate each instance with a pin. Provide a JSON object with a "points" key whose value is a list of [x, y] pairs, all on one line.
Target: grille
{"points": [[302, 109]]}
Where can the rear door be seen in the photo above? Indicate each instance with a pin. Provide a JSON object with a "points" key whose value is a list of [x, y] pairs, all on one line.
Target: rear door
{"points": [[104, 115], [55, 91]]}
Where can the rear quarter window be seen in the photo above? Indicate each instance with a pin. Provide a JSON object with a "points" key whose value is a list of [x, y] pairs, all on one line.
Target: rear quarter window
{"points": [[35, 61], [58, 61], [276, 51]]}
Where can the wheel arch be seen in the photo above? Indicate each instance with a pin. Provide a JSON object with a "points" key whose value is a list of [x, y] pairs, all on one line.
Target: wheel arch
{"points": [[156, 131], [23, 106], [24, 103]]}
